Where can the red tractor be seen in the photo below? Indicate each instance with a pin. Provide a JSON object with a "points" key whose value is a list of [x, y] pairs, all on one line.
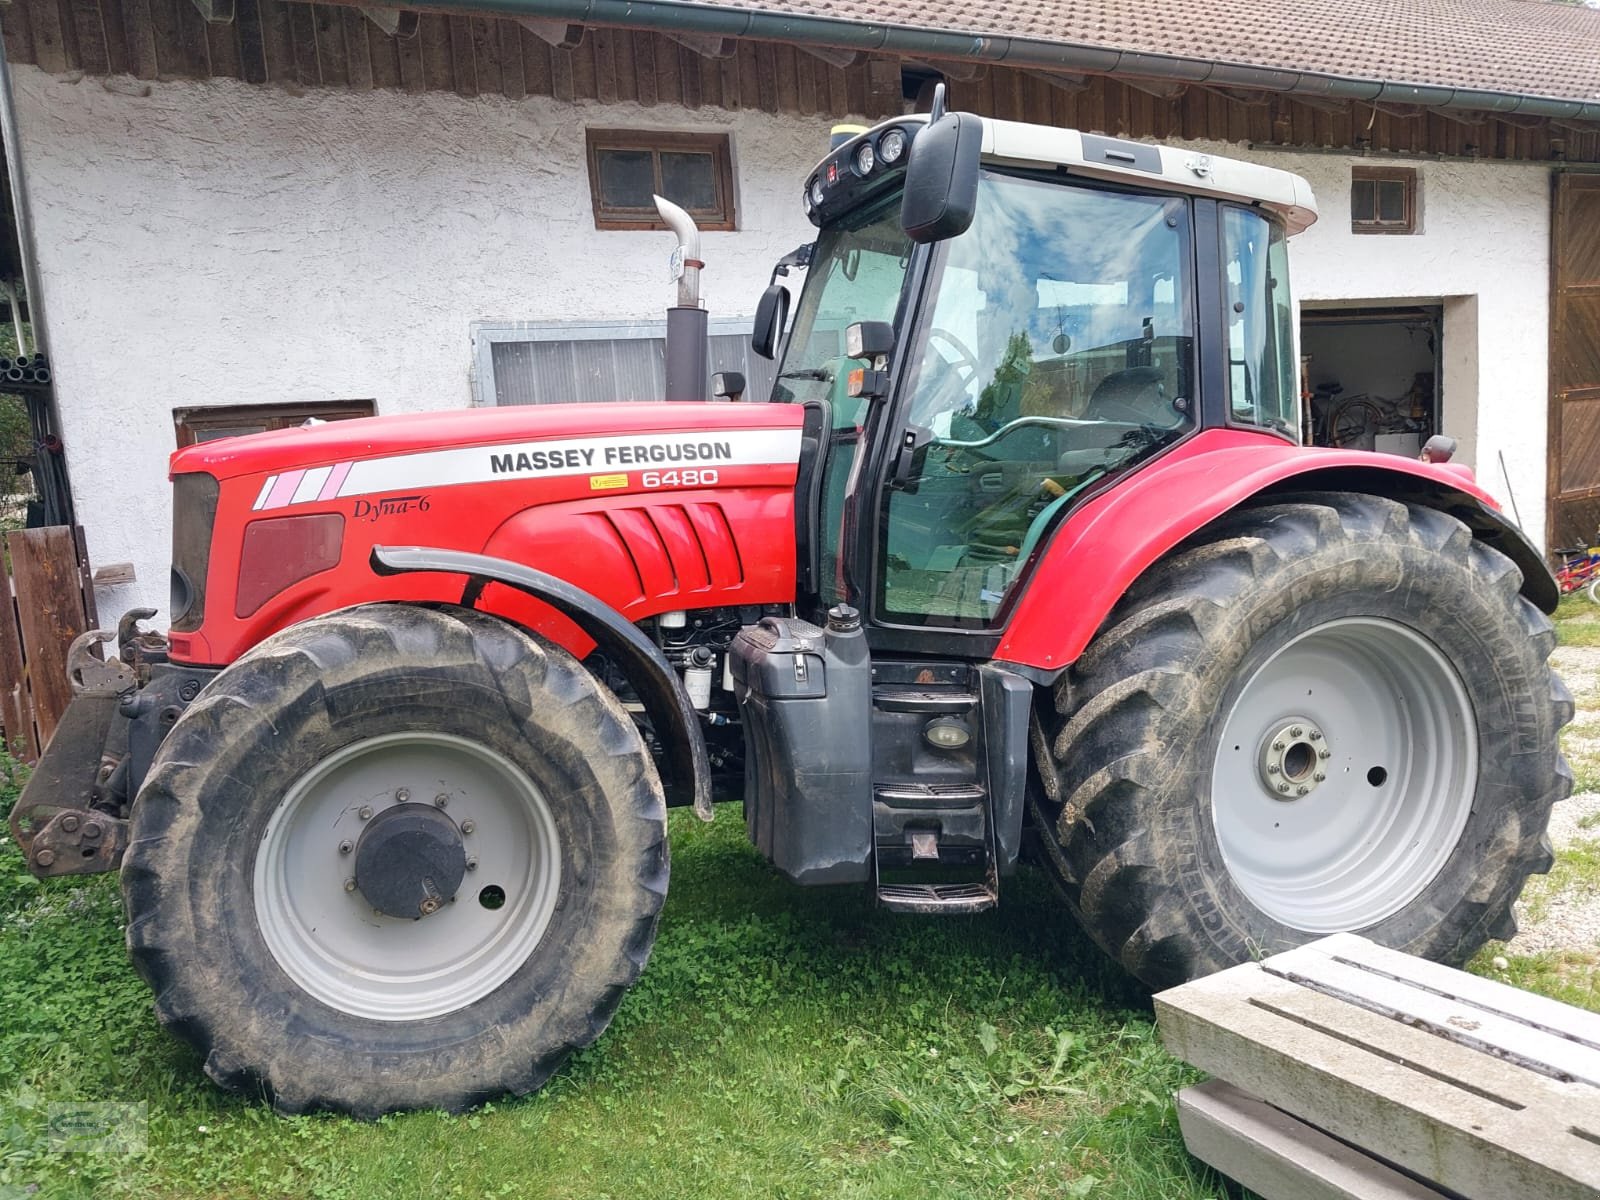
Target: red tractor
{"points": [[1022, 550]]}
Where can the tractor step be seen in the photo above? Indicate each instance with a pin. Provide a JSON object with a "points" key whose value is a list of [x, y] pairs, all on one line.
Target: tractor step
{"points": [[943, 898]]}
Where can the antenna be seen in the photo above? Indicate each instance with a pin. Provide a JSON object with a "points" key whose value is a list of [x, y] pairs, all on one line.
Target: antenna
{"points": [[936, 109]]}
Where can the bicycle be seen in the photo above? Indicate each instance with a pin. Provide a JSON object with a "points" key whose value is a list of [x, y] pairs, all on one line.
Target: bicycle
{"points": [[1580, 568]]}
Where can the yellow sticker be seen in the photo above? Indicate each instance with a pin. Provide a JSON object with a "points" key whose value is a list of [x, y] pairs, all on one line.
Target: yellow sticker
{"points": [[600, 483]]}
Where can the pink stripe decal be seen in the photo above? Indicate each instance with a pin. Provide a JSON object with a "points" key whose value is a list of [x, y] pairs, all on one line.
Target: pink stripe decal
{"points": [[330, 489], [283, 490]]}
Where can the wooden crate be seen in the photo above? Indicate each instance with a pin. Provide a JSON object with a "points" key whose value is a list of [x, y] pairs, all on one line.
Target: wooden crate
{"points": [[1371, 1060]]}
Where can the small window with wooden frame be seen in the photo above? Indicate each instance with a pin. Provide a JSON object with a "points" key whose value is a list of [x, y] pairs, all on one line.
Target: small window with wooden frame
{"points": [[628, 166], [196, 425], [1383, 200]]}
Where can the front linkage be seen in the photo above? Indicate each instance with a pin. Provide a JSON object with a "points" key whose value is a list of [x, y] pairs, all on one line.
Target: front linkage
{"points": [[72, 817]]}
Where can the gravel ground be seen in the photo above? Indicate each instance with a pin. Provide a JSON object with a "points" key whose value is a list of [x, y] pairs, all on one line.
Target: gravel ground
{"points": [[1568, 918]]}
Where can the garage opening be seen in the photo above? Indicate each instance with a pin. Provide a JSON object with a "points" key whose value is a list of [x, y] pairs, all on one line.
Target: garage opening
{"points": [[1373, 376]]}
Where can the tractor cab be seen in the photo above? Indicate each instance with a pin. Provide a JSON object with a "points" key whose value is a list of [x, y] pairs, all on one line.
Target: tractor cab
{"points": [[1053, 310]]}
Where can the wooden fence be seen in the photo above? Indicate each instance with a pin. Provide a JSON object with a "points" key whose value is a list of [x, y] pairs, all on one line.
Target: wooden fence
{"points": [[46, 575]]}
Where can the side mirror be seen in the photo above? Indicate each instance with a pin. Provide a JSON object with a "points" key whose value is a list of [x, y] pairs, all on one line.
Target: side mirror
{"points": [[772, 314], [727, 385], [941, 195]]}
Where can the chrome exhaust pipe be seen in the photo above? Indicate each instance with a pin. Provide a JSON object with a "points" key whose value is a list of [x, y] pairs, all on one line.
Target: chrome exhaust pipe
{"points": [[688, 355]]}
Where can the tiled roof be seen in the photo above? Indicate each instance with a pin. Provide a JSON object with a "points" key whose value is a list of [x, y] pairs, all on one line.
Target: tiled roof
{"points": [[1522, 47]]}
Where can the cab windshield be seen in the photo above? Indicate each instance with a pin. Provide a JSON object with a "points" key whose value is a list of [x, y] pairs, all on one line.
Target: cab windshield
{"points": [[857, 272]]}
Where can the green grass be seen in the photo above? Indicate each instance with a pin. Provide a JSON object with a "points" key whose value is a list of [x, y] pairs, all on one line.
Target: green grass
{"points": [[1578, 621], [783, 1042]]}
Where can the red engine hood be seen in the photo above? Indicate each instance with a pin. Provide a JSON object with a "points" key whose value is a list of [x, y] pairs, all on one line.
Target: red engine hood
{"points": [[374, 437]]}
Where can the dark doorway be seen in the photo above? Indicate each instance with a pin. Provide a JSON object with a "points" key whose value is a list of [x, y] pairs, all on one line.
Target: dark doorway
{"points": [[1373, 375]]}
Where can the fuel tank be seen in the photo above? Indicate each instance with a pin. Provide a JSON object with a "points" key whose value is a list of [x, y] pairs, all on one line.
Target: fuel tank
{"points": [[649, 507]]}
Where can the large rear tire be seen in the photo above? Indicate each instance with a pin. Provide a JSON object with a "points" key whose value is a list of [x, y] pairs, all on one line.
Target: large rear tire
{"points": [[395, 857], [1330, 714]]}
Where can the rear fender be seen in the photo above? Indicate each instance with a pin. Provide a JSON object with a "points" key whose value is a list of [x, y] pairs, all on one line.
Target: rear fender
{"points": [[660, 691], [1095, 555]]}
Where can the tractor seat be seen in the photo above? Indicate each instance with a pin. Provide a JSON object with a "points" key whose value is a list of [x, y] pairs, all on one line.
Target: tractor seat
{"points": [[1133, 393]]}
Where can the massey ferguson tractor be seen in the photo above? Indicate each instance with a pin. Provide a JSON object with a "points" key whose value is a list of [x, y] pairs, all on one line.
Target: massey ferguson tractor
{"points": [[1022, 550]]}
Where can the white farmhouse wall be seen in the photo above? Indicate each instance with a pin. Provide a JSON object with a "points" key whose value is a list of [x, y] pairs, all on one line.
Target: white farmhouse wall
{"points": [[1484, 251], [216, 243]]}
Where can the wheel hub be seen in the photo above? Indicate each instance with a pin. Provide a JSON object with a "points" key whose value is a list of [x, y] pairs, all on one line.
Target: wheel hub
{"points": [[1293, 759], [410, 861]]}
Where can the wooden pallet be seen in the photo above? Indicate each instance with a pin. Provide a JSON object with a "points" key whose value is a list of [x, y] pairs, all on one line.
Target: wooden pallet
{"points": [[1357, 1071]]}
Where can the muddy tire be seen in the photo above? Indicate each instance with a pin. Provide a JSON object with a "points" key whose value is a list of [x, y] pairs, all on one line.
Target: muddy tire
{"points": [[395, 858], [1327, 714]]}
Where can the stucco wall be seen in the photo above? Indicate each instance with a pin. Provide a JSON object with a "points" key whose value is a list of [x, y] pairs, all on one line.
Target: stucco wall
{"points": [[213, 243]]}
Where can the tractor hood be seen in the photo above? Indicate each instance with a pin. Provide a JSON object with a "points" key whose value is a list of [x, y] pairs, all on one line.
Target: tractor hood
{"points": [[336, 443]]}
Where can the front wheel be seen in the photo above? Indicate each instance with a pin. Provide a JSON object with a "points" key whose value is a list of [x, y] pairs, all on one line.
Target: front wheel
{"points": [[395, 857], [1330, 715]]}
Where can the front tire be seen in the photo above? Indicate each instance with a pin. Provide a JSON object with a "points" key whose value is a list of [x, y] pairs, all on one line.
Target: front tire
{"points": [[395, 857], [1328, 715]]}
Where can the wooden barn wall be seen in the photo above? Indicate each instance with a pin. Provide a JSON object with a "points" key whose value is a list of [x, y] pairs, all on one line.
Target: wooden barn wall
{"points": [[332, 45]]}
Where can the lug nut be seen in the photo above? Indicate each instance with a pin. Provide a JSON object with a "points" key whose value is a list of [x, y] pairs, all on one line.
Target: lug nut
{"points": [[349, 885], [472, 864], [401, 795], [69, 823], [1272, 768], [1319, 777], [1324, 753], [345, 846], [1316, 735], [1277, 745], [45, 857], [441, 799], [1296, 731], [365, 812], [429, 906], [1301, 790], [1284, 788], [468, 827]]}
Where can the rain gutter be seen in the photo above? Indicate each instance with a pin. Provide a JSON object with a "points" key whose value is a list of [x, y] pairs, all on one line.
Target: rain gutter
{"points": [[1031, 53]]}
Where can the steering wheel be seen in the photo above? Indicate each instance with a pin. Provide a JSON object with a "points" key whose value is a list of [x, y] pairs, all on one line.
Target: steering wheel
{"points": [[957, 374]]}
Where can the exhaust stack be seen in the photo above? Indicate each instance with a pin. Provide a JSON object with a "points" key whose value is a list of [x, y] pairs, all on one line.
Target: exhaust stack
{"points": [[687, 346]]}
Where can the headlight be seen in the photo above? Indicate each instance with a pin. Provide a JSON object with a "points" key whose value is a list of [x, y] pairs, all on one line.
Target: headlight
{"points": [[891, 146], [865, 159], [816, 192]]}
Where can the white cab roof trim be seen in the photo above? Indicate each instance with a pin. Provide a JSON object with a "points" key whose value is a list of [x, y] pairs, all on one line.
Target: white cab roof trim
{"points": [[1282, 192]]}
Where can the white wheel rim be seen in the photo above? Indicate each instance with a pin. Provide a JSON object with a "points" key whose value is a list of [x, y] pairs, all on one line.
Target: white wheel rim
{"points": [[333, 944], [1398, 756]]}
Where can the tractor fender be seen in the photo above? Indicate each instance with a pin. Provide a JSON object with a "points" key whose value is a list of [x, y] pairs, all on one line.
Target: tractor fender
{"points": [[1095, 555], [657, 685]]}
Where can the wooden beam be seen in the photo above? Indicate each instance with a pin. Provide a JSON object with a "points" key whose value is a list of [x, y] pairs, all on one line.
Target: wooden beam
{"points": [[833, 55], [706, 45], [959, 70], [1248, 96], [1520, 121], [1162, 89], [563, 35], [400, 23], [1325, 104], [1463, 116], [216, 12], [1067, 81]]}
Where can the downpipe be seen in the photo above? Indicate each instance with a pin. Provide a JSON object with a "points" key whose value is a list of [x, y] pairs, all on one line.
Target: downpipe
{"points": [[687, 328]]}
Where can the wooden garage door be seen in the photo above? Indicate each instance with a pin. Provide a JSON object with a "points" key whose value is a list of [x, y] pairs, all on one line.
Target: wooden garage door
{"points": [[1574, 456]]}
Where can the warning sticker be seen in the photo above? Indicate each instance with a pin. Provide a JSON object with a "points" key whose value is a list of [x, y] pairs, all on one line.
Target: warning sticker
{"points": [[599, 483]]}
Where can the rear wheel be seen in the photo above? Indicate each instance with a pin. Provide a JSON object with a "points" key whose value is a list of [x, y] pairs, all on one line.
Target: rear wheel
{"points": [[394, 858], [1331, 715]]}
